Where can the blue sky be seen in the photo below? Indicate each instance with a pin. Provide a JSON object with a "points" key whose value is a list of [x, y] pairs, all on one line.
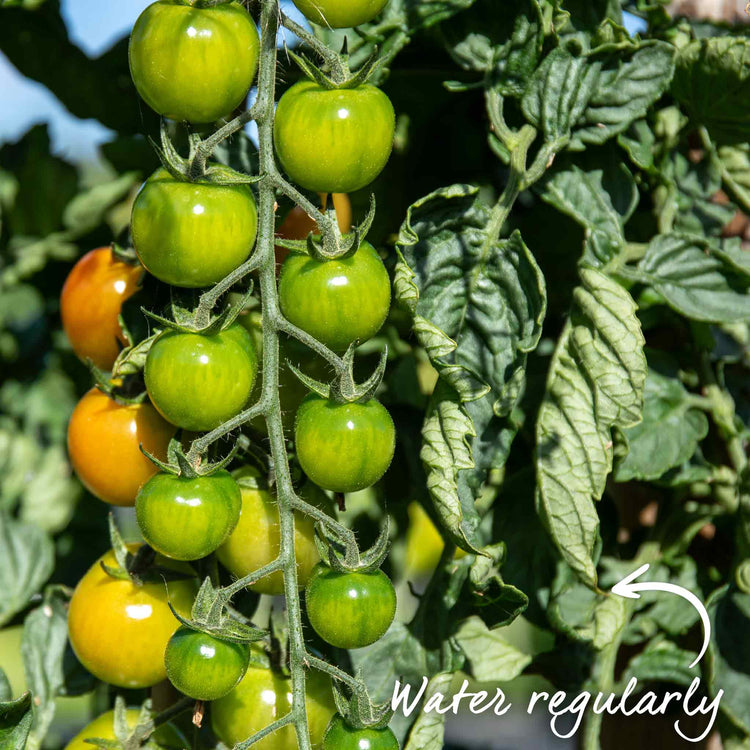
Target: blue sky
{"points": [[94, 25]]}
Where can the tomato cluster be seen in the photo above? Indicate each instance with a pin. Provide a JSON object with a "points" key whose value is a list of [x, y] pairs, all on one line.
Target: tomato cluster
{"points": [[130, 615]]}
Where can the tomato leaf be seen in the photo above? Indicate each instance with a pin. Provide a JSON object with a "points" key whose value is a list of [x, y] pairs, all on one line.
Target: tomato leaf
{"points": [[429, 728], [491, 657], [661, 661], [28, 560], [595, 383], [15, 722]]}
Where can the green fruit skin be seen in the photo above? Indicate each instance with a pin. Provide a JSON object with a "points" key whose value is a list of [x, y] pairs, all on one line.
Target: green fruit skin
{"points": [[344, 447], [340, 736], [194, 64], [333, 141], [340, 14], [192, 234], [187, 518], [260, 699], [350, 610], [204, 667], [336, 301], [103, 728], [197, 382]]}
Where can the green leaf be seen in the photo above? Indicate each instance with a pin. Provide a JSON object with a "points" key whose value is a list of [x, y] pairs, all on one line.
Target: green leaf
{"points": [[28, 560], [6, 692], [15, 722], [583, 196], [45, 638], [595, 383], [661, 661], [491, 657], [87, 210], [697, 279], [638, 141], [734, 166], [712, 82], [429, 729], [668, 435]]}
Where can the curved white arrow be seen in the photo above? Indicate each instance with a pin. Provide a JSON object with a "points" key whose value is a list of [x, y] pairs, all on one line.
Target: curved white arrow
{"points": [[629, 588]]}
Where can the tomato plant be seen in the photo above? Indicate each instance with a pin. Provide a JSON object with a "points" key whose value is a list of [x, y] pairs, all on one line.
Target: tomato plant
{"points": [[202, 666], [263, 697], [339, 302], [350, 609], [104, 443], [340, 13], [91, 302], [187, 518], [333, 141], [343, 447], [340, 736], [103, 728], [119, 629], [535, 275], [193, 63], [199, 381], [192, 234]]}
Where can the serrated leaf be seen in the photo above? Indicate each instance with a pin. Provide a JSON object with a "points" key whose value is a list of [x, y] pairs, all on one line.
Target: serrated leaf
{"points": [[667, 436], [15, 722], [712, 82], [429, 729], [28, 561], [595, 383], [696, 279], [492, 658]]}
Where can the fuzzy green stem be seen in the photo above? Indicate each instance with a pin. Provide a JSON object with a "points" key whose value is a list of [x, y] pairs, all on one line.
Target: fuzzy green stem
{"points": [[332, 59], [270, 729]]}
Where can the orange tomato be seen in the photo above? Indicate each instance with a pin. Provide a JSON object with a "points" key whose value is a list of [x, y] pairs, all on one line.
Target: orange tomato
{"points": [[119, 630], [103, 444], [91, 302]]}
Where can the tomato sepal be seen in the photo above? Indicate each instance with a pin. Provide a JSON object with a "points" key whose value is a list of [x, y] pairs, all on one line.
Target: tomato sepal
{"points": [[348, 559], [357, 708], [342, 77]]}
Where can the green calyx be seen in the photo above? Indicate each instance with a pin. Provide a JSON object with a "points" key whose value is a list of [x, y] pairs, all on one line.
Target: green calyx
{"points": [[339, 76], [178, 464], [345, 558], [357, 709]]}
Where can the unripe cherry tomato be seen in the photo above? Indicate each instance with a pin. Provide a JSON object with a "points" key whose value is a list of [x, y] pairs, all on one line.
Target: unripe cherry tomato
{"points": [[103, 443], [198, 381], [351, 609], [340, 14], [262, 697], [344, 447], [333, 141], [91, 302], [193, 63], [192, 234], [340, 301], [187, 518], [256, 540], [340, 736], [202, 666], [119, 630]]}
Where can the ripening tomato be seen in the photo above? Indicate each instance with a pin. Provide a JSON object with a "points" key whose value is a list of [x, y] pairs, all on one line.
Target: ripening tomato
{"points": [[351, 609], [202, 666], [91, 302], [192, 62], [103, 443], [339, 302], [297, 224], [256, 540], [262, 697], [333, 140], [340, 736], [424, 544], [103, 728], [192, 234], [187, 518], [198, 381], [119, 630], [340, 14], [344, 447]]}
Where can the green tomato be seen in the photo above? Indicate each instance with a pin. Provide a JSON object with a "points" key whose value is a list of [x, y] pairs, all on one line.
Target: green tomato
{"points": [[340, 736], [340, 14], [336, 301], [350, 610], [197, 382], [334, 141], [262, 697], [192, 234], [204, 667], [103, 728], [187, 518], [191, 63], [344, 447]]}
